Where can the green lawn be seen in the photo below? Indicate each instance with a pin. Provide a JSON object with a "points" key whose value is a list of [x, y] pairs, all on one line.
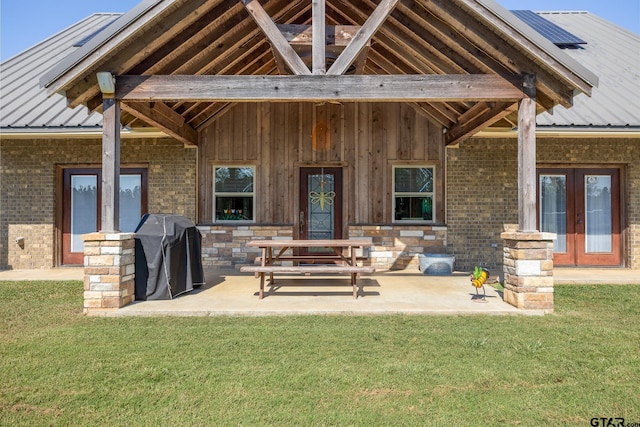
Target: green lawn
{"points": [[58, 367]]}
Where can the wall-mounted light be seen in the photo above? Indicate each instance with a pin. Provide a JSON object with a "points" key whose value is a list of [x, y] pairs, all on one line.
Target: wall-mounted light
{"points": [[106, 82]]}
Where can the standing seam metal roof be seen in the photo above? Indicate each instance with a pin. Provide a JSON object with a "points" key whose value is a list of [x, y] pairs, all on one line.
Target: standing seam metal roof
{"points": [[24, 104], [611, 52]]}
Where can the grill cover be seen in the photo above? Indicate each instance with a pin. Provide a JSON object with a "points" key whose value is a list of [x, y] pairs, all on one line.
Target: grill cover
{"points": [[168, 257]]}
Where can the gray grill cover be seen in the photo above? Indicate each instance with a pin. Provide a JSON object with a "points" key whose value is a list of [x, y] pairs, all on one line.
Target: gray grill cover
{"points": [[168, 257]]}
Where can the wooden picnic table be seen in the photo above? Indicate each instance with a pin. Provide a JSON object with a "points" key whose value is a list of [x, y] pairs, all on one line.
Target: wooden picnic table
{"points": [[349, 261]]}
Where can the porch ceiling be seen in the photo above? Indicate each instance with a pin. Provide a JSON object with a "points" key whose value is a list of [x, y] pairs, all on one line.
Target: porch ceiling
{"points": [[220, 37]]}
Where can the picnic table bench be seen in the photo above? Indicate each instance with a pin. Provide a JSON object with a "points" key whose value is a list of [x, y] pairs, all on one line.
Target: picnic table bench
{"points": [[348, 262]]}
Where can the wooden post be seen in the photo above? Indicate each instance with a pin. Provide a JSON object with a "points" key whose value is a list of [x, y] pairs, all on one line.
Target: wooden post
{"points": [[110, 165], [527, 156], [318, 37]]}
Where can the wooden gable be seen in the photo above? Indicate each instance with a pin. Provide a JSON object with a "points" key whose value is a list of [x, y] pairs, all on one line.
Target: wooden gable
{"points": [[180, 63]]}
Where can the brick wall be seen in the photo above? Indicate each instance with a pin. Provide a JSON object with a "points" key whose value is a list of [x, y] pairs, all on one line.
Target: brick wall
{"points": [[28, 199], [481, 197], [482, 192]]}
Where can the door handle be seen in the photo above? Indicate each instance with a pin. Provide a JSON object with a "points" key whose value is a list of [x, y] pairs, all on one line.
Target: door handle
{"points": [[301, 223]]}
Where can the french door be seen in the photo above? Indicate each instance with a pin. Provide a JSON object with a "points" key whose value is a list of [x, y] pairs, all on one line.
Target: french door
{"points": [[582, 206], [81, 201], [320, 215]]}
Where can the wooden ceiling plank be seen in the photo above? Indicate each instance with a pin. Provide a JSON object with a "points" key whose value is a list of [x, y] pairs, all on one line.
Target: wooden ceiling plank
{"points": [[443, 57], [279, 43], [390, 67], [231, 42], [362, 38], [444, 111], [216, 23], [491, 114], [254, 53], [427, 110], [431, 88], [405, 43], [143, 110], [199, 112], [446, 38]]}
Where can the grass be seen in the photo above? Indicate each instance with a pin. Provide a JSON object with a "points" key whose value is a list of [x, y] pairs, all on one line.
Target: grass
{"points": [[58, 367]]}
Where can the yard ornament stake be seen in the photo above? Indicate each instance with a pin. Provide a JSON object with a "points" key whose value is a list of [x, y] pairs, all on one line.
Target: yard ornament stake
{"points": [[478, 279]]}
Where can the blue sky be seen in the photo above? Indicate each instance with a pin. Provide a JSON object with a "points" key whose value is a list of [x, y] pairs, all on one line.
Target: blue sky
{"points": [[23, 23]]}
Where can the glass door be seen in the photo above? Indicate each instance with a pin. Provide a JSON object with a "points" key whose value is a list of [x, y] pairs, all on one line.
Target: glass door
{"points": [[598, 217], [582, 206], [320, 215], [81, 207]]}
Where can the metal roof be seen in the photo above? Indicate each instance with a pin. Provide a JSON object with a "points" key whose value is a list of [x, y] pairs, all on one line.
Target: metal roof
{"points": [[24, 104], [611, 52]]}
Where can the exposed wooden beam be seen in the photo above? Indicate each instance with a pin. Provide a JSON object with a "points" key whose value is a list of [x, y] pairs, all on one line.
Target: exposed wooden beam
{"points": [[430, 88], [362, 38], [166, 111], [302, 35], [319, 36], [276, 38], [477, 118], [164, 118]]}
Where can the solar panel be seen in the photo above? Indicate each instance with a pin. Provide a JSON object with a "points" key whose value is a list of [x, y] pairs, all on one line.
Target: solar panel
{"points": [[548, 29]]}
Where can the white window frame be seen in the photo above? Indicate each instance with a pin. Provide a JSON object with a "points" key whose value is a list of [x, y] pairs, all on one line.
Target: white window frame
{"points": [[234, 194], [395, 194]]}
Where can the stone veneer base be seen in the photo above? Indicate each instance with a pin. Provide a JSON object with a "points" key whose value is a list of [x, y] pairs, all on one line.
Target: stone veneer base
{"points": [[528, 270], [395, 247], [109, 271]]}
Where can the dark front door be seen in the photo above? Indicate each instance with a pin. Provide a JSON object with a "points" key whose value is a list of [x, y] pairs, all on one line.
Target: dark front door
{"points": [[320, 215], [582, 206], [81, 201]]}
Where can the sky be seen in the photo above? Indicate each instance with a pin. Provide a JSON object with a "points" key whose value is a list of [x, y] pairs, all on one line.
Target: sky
{"points": [[24, 23]]}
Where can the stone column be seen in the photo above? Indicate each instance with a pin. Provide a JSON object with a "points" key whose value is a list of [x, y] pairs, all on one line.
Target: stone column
{"points": [[109, 271], [528, 269]]}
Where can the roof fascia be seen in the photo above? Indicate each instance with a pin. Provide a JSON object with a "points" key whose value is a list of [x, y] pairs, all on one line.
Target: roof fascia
{"points": [[77, 133], [539, 41], [565, 132], [72, 65]]}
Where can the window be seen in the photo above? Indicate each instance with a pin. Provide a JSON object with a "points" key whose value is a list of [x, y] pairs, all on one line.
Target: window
{"points": [[233, 198], [413, 198]]}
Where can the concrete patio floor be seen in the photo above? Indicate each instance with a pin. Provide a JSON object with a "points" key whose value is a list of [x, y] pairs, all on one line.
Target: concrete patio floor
{"points": [[229, 292]]}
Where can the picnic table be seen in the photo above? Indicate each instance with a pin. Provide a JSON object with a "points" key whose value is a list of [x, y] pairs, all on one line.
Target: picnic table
{"points": [[343, 260]]}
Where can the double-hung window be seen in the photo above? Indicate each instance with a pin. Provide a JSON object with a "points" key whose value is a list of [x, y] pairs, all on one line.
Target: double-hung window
{"points": [[413, 193], [234, 197]]}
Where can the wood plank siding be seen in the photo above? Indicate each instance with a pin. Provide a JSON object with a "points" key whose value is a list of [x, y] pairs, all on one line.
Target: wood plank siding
{"points": [[365, 139]]}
